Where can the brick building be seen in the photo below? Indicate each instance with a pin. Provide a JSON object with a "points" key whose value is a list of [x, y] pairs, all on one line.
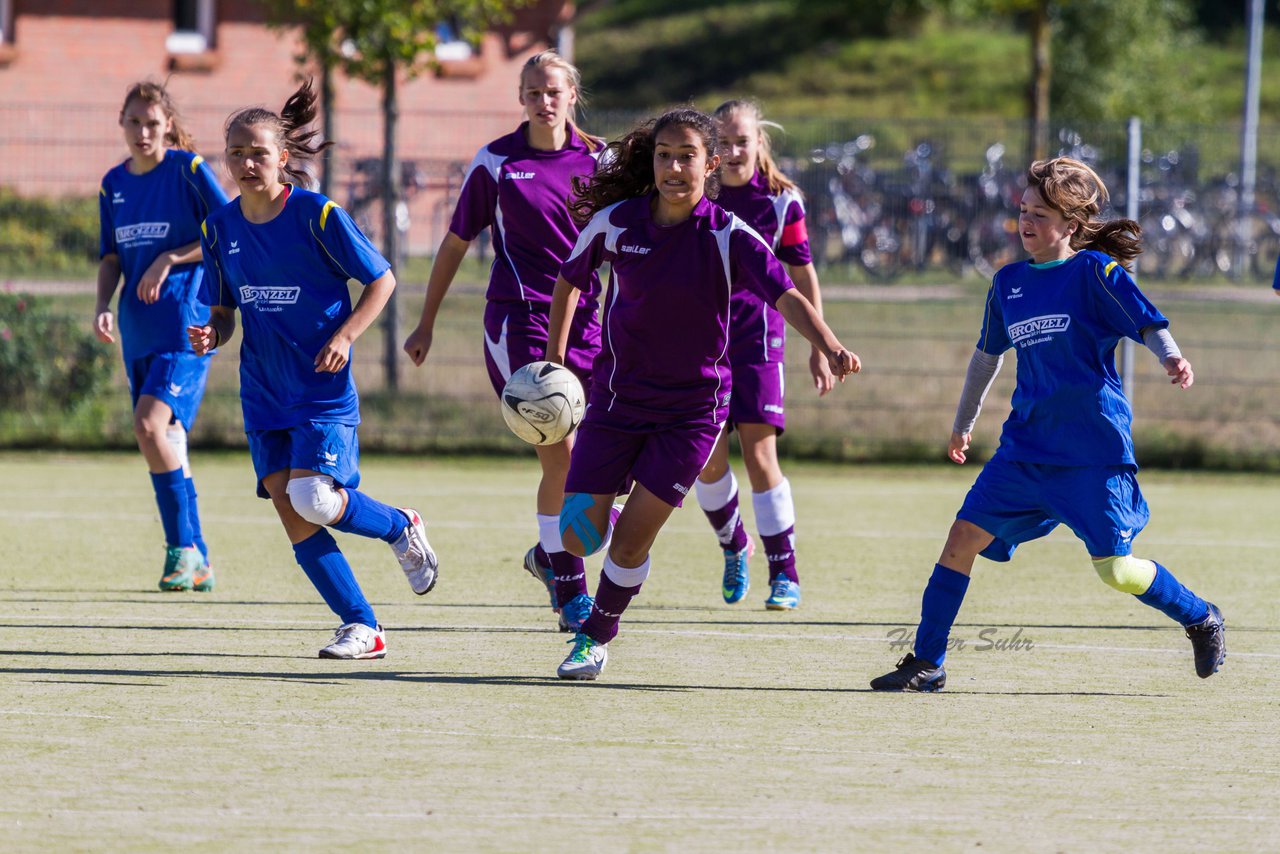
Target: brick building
{"points": [[66, 64]]}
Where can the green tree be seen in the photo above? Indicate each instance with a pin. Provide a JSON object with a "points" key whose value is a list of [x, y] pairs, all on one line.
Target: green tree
{"points": [[381, 42]]}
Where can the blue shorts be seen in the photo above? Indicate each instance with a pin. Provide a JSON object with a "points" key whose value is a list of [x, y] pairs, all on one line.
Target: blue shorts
{"points": [[176, 378], [1017, 502], [320, 446]]}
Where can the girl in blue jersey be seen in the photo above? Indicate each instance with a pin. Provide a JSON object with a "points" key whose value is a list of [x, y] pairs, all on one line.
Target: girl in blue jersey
{"points": [[282, 255], [518, 187], [660, 387], [755, 190], [1066, 451], [150, 208]]}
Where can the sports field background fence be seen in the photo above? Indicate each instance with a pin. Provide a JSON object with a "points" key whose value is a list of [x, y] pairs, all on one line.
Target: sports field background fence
{"points": [[908, 219]]}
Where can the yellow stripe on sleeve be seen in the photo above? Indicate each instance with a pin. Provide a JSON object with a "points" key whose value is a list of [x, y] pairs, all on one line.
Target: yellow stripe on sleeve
{"points": [[102, 191], [204, 230], [324, 213], [195, 162], [1107, 270]]}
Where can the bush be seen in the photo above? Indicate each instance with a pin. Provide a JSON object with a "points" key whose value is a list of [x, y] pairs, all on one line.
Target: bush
{"points": [[47, 237], [49, 363]]}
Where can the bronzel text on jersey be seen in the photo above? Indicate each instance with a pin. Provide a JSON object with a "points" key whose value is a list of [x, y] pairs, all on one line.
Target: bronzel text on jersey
{"points": [[1045, 324]]}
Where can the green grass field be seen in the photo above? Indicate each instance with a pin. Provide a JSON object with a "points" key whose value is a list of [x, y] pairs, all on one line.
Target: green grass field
{"points": [[135, 720]]}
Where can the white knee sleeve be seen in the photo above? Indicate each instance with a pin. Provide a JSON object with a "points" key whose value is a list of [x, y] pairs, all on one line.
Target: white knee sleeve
{"points": [[315, 499], [775, 511], [549, 534], [713, 496], [626, 576], [176, 438], [1126, 573]]}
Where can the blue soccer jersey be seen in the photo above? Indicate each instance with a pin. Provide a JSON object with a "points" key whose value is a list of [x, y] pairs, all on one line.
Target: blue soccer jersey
{"points": [[289, 279], [141, 216], [1065, 320]]}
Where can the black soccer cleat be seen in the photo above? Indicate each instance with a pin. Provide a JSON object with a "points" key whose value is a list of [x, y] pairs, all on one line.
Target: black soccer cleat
{"points": [[1209, 642], [912, 674]]}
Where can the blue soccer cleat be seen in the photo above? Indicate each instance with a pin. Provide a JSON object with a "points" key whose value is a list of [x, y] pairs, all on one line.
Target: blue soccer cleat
{"points": [[736, 581], [784, 595], [575, 613]]}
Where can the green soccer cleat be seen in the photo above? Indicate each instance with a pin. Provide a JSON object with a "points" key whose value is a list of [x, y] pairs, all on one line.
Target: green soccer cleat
{"points": [[180, 566], [202, 580]]}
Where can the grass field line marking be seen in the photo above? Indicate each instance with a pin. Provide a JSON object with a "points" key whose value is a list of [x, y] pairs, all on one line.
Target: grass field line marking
{"points": [[707, 633], [612, 740]]}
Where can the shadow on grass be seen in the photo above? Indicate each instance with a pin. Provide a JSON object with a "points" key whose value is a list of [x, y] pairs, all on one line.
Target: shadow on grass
{"points": [[468, 680]]}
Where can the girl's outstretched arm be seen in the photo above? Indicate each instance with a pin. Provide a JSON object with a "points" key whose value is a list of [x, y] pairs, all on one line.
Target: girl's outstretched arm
{"points": [[801, 314]]}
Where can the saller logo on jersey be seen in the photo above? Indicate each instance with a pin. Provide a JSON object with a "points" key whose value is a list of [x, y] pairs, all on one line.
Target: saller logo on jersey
{"points": [[142, 231], [274, 296], [634, 250], [1044, 324]]}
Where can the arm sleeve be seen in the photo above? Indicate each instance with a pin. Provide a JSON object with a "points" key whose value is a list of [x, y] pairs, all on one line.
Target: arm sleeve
{"points": [[753, 266], [214, 289], [1160, 341], [1120, 304], [106, 234], [978, 379], [346, 246], [478, 201], [592, 249], [793, 246]]}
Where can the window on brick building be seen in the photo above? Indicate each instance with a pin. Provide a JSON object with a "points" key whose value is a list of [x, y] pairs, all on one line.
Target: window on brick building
{"points": [[193, 27]]}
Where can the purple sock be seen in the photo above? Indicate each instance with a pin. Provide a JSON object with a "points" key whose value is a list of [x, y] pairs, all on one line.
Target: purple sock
{"points": [[571, 576], [781, 551], [611, 601], [540, 555], [727, 522]]}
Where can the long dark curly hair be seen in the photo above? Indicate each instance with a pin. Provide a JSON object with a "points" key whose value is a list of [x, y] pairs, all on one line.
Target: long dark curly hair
{"points": [[626, 169]]}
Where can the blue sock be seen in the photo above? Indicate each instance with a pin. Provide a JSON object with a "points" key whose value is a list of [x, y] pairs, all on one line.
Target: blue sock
{"points": [[193, 515], [171, 498], [369, 517], [327, 567], [1167, 595], [938, 609]]}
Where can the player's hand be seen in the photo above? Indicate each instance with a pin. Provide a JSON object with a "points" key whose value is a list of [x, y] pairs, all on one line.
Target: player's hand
{"points": [[823, 380], [151, 281], [957, 446], [1180, 369], [333, 356], [844, 362], [103, 325], [418, 344], [202, 338]]}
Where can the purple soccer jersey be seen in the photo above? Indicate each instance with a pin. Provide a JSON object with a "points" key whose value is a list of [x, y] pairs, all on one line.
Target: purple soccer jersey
{"points": [[666, 320], [758, 331], [521, 194]]}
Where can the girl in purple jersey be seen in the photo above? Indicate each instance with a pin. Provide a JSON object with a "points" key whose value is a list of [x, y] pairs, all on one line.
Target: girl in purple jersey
{"points": [[518, 186], [755, 190], [150, 207], [661, 386]]}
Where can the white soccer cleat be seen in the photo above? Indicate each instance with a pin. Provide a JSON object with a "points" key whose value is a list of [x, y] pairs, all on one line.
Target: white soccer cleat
{"points": [[585, 661], [356, 640], [416, 557]]}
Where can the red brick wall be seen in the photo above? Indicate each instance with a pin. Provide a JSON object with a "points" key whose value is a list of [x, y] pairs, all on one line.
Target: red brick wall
{"points": [[73, 60]]}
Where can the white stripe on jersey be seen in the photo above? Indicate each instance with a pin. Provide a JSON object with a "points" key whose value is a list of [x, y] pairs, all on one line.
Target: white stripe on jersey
{"points": [[736, 222], [781, 203], [492, 164]]}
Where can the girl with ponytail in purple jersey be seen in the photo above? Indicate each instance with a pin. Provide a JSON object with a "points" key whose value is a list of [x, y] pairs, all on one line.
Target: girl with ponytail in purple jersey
{"points": [[661, 386], [754, 189], [518, 186]]}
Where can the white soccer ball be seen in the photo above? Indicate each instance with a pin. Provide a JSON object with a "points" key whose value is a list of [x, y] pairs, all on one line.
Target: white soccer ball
{"points": [[543, 403]]}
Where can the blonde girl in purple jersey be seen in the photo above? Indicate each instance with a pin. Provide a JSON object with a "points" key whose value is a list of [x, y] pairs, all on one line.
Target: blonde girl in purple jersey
{"points": [[661, 385], [754, 189], [518, 187]]}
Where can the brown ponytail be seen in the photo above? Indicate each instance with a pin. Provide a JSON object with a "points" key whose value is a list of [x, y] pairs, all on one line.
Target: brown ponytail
{"points": [[1075, 191]]}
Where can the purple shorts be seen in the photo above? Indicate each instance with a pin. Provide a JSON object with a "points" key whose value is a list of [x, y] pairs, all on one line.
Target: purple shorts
{"points": [[663, 458], [176, 378], [757, 395], [515, 334]]}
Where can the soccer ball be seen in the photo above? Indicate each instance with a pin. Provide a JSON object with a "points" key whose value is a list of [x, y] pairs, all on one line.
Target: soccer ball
{"points": [[543, 403]]}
